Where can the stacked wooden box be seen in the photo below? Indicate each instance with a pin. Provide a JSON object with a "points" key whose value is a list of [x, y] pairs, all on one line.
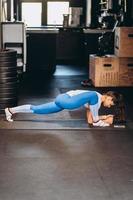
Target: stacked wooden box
{"points": [[114, 70], [124, 51]]}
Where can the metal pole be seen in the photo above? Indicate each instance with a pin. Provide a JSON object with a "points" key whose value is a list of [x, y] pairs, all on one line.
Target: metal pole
{"points": [[0, 10], [0, 21], [10, 10]]}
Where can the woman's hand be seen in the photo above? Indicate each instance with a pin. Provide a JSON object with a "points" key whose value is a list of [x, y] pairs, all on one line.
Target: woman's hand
{"points": [[106, 120]]}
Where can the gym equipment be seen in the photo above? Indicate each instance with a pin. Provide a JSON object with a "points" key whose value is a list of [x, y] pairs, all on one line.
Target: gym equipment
{"points": [[8, 79]]}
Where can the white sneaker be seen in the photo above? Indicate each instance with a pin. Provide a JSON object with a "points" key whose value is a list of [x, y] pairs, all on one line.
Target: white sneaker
{"points": [[100, 123], [8, 115]]}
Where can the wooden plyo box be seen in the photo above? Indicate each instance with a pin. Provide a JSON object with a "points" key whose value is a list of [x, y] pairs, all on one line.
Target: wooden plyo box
{"points": [[123, 44], [111, 71], [104, 71], [125, 72]]}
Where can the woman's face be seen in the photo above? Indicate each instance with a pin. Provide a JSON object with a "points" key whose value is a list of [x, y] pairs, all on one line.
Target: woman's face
{"points": [[108, 101]]}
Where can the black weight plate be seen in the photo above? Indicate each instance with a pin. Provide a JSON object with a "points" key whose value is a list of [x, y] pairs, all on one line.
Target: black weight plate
{"points": [[8, 100], [8, 69], [7, 52], [8, 74], [11, 84], [8, 79], [10, 104], [8, 59], [7, 95], [8, 90], [8, 64]]}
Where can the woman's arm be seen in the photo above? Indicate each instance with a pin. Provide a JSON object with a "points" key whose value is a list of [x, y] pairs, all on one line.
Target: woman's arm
{"points": [[106, 118], [89, 116], [109, 119]]}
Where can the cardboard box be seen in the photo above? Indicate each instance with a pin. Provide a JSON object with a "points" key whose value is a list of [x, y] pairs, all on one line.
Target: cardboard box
{"points": [[111, 71], [123, 44], [104, 71]]}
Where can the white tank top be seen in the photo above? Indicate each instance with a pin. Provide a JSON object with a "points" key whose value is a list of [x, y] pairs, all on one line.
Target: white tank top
{"points": [[75, 92]]}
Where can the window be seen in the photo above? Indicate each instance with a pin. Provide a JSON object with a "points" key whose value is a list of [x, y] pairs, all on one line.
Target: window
{"points": [[31, 13], [55, 11]]}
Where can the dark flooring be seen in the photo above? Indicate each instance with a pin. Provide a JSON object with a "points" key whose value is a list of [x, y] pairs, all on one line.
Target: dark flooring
{"points": [[59, 164]]}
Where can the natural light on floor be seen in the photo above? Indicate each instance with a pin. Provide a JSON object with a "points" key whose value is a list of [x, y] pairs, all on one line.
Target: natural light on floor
{"points": [[55, 12], [31, 13]]}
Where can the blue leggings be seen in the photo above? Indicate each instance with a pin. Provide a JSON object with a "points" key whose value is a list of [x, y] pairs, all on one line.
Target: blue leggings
{"points": [[62, 101]]}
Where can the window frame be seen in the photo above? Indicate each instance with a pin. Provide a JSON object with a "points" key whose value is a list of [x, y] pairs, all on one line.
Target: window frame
{"points": [[44, 8]]}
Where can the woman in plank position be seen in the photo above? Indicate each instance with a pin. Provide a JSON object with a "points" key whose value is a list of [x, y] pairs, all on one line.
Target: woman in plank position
{"points": [[74, 99]]}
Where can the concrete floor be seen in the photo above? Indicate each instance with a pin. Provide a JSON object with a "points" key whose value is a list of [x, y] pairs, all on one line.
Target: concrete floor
{"points": [[65, 164], [56, 165]]}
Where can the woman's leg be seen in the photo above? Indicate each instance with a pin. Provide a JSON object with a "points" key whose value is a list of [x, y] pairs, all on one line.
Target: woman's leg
{"points": [[39, 109], [21, 109], [72, 102], [46, 108], [62, 101], [10, 111]]}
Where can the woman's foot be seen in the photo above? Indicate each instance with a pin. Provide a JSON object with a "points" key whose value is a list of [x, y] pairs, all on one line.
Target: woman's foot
{"points": [[8, 115]]}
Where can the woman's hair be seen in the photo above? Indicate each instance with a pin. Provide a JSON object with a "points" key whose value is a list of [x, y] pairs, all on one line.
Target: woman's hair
{"points": [[116, 97], [118, 100]]}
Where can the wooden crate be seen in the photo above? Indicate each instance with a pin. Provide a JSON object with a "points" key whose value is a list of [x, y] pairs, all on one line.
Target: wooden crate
{"points": [[104, 71], [123, 45], [126, 72], [111, 71]]}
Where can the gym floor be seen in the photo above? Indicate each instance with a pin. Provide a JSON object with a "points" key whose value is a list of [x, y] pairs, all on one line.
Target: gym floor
{"points": [[59, 164]]}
